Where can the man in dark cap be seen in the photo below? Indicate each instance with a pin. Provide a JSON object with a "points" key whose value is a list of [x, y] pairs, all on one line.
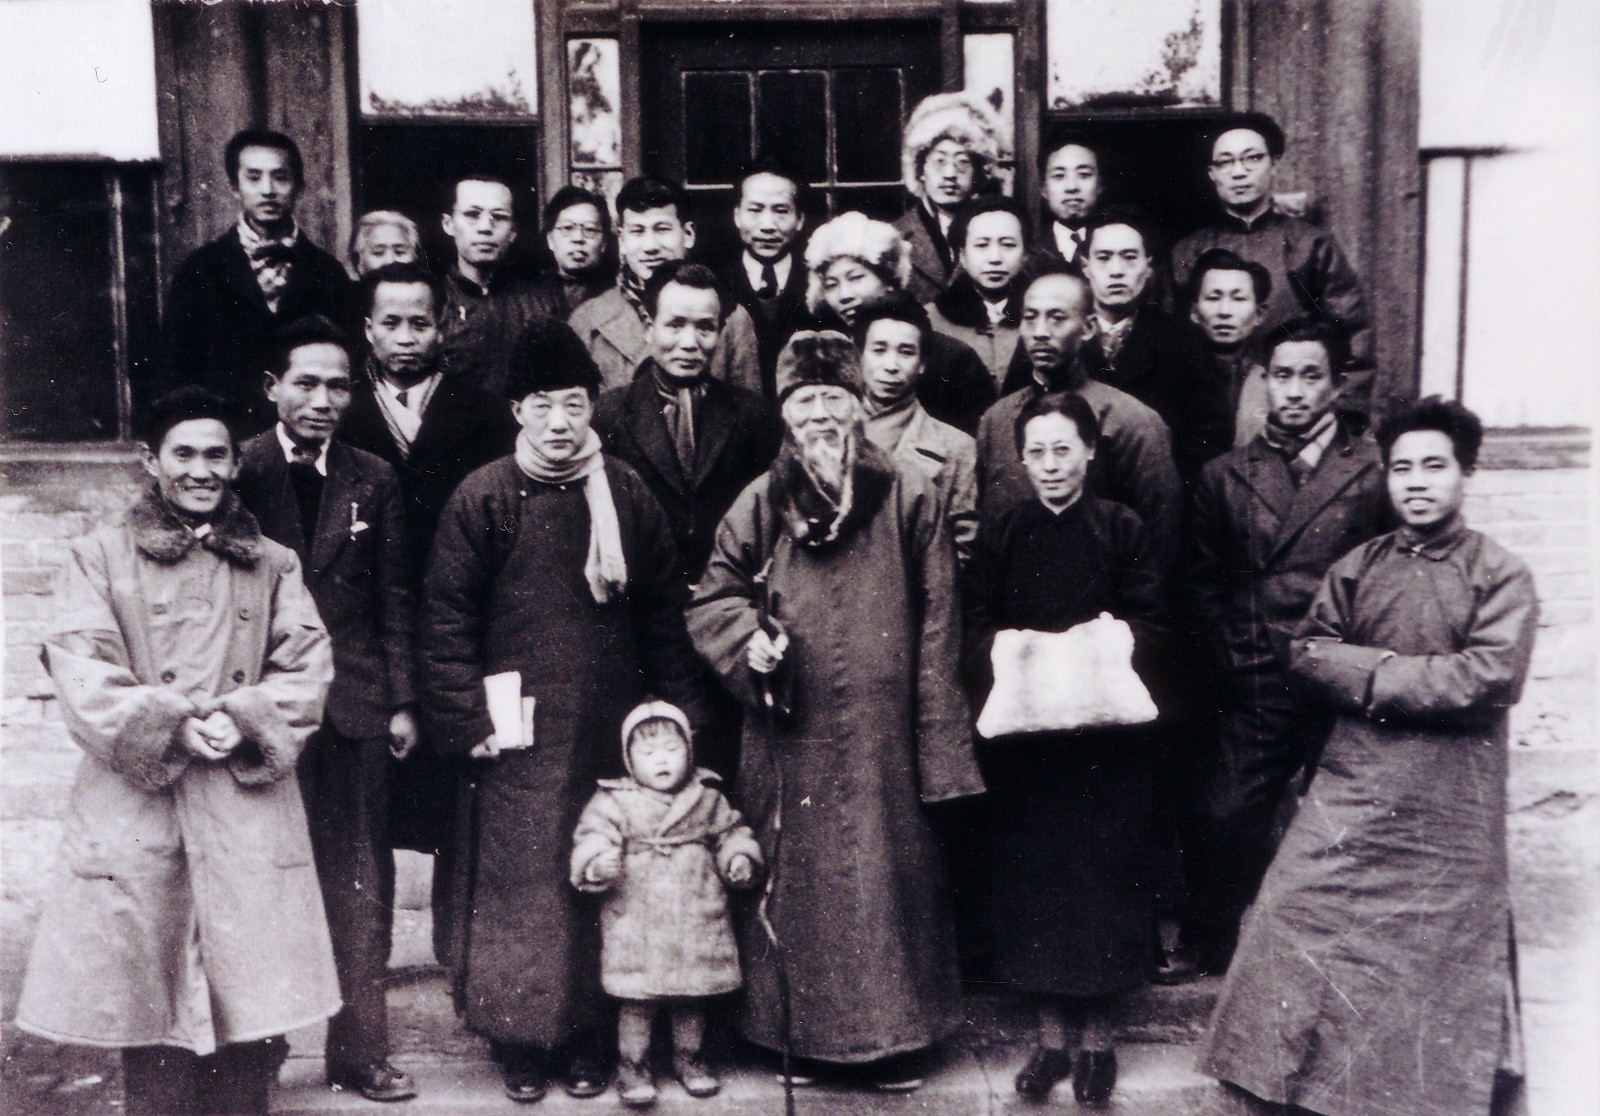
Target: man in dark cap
{"points": [[1310, 274], [831, 591], [554, 576]]}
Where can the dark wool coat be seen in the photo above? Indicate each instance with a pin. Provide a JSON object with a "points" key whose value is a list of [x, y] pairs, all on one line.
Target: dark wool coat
{"points": [[736, 437], [506, 591], [664, 924], [1259, 546], [1166, 364], [879, 726], [960, 313], [931, 268], [1310, 274], [1373, 976], [1133, 462], [776, 323], [1070, 870], [356, 568], [190, 915], [479, 327], [463, 429], [217, 325]]}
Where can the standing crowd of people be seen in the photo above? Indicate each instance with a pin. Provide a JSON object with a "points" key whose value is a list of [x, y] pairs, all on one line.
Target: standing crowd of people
{"points": [[658, 602]]}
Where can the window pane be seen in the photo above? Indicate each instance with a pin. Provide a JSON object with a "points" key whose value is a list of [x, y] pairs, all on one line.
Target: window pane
{"points": [[447, 58], [882, 203], [716, 126], [58, 359], [868, 113], [794, 121]]}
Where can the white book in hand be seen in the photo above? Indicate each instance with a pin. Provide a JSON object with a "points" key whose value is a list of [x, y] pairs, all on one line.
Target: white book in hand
{"points": [[510, 712]]}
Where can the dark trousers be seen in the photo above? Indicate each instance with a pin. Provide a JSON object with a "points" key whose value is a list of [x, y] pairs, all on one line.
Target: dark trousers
{"points": [[1248, 794], [345, 784], [172, 1081]]}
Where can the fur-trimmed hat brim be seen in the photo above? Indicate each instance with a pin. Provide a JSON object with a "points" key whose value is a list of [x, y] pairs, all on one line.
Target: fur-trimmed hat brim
{"points": [[962, 117]]}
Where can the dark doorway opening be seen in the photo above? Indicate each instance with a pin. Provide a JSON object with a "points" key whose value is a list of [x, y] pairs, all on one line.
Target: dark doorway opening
{"points": [[827, 98]]}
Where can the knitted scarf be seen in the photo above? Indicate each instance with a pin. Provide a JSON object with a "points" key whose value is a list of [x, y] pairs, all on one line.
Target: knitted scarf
{"points": [[605, 568]]}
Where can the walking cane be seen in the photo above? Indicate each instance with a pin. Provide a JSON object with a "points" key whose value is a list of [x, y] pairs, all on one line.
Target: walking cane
{"points": [[769, 709]]}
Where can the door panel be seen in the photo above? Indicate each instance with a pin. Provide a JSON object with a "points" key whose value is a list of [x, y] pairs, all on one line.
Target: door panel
{"points": [[830, 102]]}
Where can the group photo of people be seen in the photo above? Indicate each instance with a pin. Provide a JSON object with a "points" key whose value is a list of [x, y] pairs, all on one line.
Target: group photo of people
{"points": [[771, 646]]}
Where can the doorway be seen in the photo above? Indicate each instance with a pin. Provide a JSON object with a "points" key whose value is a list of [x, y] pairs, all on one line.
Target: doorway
{"points": [[827, 98]]}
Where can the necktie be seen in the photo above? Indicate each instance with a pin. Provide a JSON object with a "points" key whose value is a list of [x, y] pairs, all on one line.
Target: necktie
{"points": [[400, 397], [307, 484], [769, 282], [683, 428]]}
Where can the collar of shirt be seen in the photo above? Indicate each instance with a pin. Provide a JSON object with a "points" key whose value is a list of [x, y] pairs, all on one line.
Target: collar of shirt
{"points": [[780, 266], [1068, 239], [995, 310], [253, 240], [417, 395], [288, 445], [1113, 332]]}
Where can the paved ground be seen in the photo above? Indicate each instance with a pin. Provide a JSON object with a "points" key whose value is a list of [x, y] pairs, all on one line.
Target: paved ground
{"points": [[1554, 830]]}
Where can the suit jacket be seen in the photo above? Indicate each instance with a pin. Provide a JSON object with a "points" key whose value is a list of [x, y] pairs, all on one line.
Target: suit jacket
{"points": [[736, 438], [218, 324], [774, 328], [946, 456], [1259, 547], [610, 327], [929, 273], [462, 429], [355, 567], [1166, 363]]}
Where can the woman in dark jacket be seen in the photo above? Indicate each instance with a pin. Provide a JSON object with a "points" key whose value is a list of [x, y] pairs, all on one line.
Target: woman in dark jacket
{"points": [[1070, 906]]}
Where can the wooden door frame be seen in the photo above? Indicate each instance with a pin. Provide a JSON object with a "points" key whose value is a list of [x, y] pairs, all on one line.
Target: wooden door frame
{"points": [[626, 20]]}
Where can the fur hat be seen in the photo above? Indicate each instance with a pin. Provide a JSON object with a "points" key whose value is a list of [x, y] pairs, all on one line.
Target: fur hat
{"points": [[877, 244], [548, 356], [962, 117], [823, 357]]}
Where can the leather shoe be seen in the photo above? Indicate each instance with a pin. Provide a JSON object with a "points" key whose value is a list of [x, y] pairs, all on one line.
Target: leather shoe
{"points": [[1094, 1075], [587, 1077], [525, 1082], [377, 1081], [1044, 1069]]}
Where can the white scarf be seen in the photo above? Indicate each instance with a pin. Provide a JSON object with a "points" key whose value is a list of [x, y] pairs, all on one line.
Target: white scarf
{"points": [[605, 567]]}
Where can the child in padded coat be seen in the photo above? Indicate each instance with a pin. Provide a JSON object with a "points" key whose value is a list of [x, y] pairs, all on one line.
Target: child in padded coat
{"points": [[660, 843]]}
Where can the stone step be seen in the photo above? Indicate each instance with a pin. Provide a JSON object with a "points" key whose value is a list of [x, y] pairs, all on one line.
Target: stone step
{"points": [[1153, 1080]]}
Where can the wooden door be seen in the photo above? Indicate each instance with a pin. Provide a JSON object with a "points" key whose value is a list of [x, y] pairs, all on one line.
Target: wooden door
{"points": [[828, 98]]}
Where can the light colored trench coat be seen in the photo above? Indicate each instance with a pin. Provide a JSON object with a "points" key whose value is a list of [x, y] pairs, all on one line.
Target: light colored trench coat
{"points": [[190, 916]]}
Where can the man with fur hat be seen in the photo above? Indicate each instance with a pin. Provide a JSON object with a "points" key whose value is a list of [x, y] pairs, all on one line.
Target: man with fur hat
{"points": [[855, 262], [949, 150], [829, 609], [557, 564], [662, 845], [1310, 272], [191, 667]]}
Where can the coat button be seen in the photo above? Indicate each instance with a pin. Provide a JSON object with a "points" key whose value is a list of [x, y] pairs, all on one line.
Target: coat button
{"points": [[238, 676], [168, 677], [244, 614]]}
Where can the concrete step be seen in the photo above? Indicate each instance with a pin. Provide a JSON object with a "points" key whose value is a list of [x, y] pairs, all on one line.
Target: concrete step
{"points": [[1153, 1080]]}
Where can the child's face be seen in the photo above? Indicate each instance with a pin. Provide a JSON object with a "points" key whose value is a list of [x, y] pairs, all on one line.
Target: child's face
{"points": [[659, 756]]}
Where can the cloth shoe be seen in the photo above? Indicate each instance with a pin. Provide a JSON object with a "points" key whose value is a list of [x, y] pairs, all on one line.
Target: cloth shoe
{"points": [[1044, 1069], [524, 1076], [1094, 1076], [377, 1081], [899, 1073], [636, 1086], [695, 1076]]}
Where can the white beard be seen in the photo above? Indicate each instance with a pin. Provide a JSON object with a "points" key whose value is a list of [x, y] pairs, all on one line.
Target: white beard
{"points": [[825, 461]]}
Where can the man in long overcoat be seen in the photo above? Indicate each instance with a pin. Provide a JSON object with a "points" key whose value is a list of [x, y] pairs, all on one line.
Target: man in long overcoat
{"points": [[191, 667], [555, 563], [1268, 520], [338, 509], [831, 589], [1375, 972]]}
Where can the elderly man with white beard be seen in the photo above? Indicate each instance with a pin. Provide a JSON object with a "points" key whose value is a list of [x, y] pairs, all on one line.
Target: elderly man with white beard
{"points": [[829, 609]]}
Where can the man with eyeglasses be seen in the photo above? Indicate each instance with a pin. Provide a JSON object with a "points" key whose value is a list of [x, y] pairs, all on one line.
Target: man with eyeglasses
{"points": [[486, 309], [577, 230], [1309, 271]]}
